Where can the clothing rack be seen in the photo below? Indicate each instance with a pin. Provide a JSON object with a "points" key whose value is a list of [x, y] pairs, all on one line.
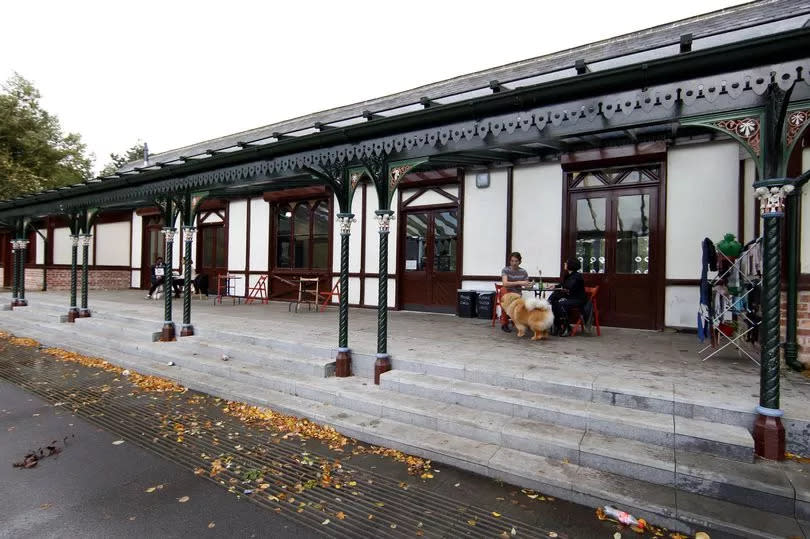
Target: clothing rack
{"points": [[729, 313]]}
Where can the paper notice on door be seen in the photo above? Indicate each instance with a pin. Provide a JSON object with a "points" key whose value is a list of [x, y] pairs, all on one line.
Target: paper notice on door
{"points": [[410, 264]]}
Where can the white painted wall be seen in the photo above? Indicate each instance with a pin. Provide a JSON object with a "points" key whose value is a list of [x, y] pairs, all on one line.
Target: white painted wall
{"points": [[135, 281], [373, 237], [259, 234], [355, 239], [137, 242], [537, 218], [681, 306], [429, 197], [40, 246], [62, 246], [113, 244], [179, 244], [805, 234], [702, 191], [372, 292], [237, 229], [354, 290], [485, 225], [749, 201]]}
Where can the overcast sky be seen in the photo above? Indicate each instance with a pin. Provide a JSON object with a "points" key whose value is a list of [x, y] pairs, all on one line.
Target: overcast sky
{"points": [[173, 73]]}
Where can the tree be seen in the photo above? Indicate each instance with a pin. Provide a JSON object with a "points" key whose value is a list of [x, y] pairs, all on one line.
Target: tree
{"points": [[35, 154], [134, 153]]}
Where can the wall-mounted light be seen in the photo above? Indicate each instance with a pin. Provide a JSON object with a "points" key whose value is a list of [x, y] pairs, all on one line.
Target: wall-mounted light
{"points": [[482, 180]]}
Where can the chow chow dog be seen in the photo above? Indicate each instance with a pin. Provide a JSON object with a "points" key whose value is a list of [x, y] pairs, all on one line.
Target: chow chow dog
{"points": [[531, 313]]}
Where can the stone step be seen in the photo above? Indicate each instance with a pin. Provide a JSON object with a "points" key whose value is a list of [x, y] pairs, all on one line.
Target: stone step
{"points": [[675, 509], [651, 427]]}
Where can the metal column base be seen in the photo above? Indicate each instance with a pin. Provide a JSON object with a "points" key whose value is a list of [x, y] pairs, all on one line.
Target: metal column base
{"points": [[73, 314], [769, 434], [187, 330], [167, 333], [383, 364], [343, 363], [84, 313]]}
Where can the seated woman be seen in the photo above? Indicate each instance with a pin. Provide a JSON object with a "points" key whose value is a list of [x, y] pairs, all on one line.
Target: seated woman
{"points": [[513, 278], [570, 294], [156, 278]]}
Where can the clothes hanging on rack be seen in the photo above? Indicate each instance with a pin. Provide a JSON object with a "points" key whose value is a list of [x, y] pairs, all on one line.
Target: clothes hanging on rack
{"points": [[705, 309]]}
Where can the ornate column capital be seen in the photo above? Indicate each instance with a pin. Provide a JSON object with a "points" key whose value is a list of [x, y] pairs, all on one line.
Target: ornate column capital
{"points": [[345, 221], [169, 232], [15, 244], [384, 218], [74, 238], [771, 194], [87, 239], [188, 233]]}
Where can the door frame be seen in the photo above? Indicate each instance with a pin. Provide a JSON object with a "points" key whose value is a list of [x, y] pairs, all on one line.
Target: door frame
{"points": [[400, 265], [658, 233], [146, 273]]}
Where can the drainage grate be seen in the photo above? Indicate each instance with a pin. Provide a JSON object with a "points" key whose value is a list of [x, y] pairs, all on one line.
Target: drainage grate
{"points": [[279, 473]]}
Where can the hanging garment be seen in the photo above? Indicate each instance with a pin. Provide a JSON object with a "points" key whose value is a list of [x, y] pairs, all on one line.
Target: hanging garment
{"points": [[705, 309]]}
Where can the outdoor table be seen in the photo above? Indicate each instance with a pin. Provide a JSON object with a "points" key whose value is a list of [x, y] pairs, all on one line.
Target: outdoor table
{"points": [[227, 284], [539, 292]]}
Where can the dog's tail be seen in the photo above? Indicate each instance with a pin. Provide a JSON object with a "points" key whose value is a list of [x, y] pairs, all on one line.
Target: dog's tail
{"points": [[537, 303]]}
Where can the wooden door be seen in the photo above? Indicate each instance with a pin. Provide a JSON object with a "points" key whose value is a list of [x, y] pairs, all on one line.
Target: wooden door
{"points": [[212, 253], [614, 234], [429, 266], [6, 259], [153, 246]]}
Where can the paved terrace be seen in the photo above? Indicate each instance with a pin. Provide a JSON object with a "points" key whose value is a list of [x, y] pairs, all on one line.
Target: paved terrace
{"points": [[657, 364]]}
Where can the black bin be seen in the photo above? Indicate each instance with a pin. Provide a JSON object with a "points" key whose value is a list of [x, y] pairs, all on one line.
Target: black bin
{"points": [[465, 307], [486, 303]]}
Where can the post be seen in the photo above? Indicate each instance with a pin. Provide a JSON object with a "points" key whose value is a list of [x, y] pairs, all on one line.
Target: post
{"points": [[84, 312], [73, 311], [188, 236], [168, 331], [343, 361], [792, 227], [769, 434], [383, 362], [22, 245], [15, 275]]}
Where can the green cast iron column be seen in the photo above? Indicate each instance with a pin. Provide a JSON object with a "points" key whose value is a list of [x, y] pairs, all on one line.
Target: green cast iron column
{"points": [[73, 311], [15, 273], [21, 301], [168, 332], [383, 362], [188, 237], [84, 312], [343, 359]]}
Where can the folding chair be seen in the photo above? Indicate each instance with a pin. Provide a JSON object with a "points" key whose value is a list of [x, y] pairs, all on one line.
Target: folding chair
{"points": [[498, 294], [307, 293], [327, 296], [259, 291], [588, 315]]}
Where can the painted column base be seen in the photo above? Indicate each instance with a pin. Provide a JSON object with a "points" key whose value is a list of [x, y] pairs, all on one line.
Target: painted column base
{"points": [[343, 363], [73, 314], [187, 330], [167, 333], [15, 302], [22, 302], [84, 313], [383, 364], [769, 434]]}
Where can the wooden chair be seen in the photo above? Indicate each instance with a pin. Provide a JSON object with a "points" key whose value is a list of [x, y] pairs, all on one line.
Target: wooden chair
{"points": [[327, 296], [307, 293], [259, 291], [591, 312]]}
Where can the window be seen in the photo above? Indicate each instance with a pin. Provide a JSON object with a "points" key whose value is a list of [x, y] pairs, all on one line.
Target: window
{"points": [[302, 235]]}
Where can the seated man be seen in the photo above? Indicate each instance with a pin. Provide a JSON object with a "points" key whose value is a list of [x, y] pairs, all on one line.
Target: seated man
{"points": [[156, 278], [513, 278], [179, 279]]}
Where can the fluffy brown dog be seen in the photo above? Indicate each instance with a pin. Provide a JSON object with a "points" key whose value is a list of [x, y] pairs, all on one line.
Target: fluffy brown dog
{"points": [[532, 313]]}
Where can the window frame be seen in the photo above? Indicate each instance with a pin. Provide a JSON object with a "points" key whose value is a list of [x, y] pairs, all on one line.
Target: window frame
{"points": [[293, 206]]}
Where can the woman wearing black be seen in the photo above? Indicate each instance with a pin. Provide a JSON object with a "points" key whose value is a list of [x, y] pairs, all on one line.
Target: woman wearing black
{"points": [[570, 294]]}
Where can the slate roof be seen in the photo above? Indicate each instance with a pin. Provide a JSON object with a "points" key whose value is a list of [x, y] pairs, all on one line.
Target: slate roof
{"points": [[743, 21]]}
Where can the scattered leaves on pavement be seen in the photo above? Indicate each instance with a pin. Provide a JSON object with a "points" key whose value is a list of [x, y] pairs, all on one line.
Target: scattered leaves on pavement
{"points": [[183, 499]]}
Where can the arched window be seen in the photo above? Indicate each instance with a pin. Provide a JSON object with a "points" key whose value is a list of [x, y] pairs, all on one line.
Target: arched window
{"points": [[302, 233], [283, 229], [320, 235]]}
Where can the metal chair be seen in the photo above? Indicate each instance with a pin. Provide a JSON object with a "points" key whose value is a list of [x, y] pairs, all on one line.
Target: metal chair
{"points": [[588, 315], [307, 293]]}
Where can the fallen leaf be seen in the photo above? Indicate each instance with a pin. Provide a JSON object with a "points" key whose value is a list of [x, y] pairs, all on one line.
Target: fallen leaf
{"points": [[497, 515], [471, 522], [150, 489], [325, 522], [457, 485], [184, 499], [552, 534], [211, 525], [118, 442], [341, 515], [513, 532], [131, 518], [45, 506], [702, 535], [393, 526], [199, 471], [617, 535]]}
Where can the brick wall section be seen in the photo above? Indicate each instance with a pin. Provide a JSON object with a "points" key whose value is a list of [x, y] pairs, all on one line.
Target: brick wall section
{"points": [[59, 279], [803, 320]]}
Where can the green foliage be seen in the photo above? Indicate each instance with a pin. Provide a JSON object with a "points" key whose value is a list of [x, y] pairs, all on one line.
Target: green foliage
{"points": [[35, 154], [134, 153]]}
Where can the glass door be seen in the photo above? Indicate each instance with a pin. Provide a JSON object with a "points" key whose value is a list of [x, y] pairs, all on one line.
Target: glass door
{"points": [[429, 268]]}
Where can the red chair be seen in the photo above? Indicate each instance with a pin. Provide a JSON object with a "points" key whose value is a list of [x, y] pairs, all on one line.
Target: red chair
{"points": [[327, 296], [579, 326], [499, 291], [259, 292]]}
